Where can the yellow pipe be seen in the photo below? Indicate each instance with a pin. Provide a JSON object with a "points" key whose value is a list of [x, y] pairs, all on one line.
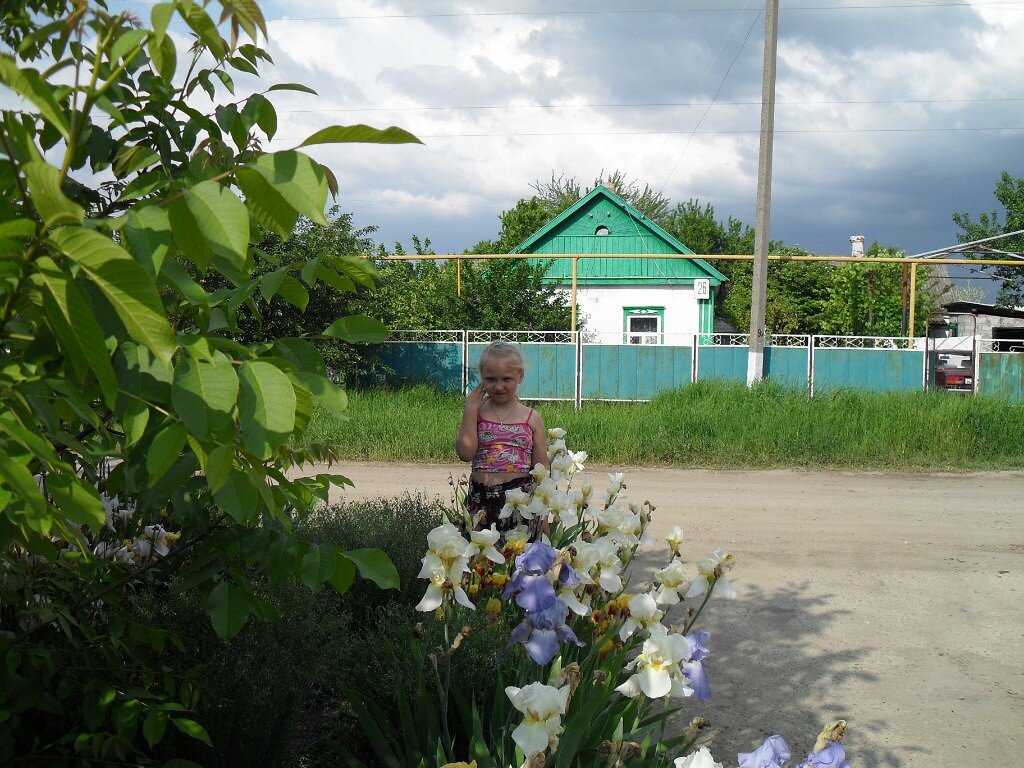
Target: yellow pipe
{"points": [[458, 277], [575, 271], [913, 298], [712, 257]]}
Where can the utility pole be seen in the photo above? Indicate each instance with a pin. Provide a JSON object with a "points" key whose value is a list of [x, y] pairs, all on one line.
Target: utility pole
{"points": [[759, 288]]}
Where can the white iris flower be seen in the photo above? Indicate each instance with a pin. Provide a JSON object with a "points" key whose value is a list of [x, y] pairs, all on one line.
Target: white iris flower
{"points": [[658, 671], [542, 707]]}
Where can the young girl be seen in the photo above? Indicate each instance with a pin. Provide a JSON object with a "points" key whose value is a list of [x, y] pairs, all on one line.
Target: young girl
{"points": [[501, 437]]}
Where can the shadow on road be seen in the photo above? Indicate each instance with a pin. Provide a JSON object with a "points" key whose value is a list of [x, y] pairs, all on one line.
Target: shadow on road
{"points": [[771, 671]]}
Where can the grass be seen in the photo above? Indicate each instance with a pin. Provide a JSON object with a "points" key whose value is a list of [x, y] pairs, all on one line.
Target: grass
{"points": [[713, 425]]}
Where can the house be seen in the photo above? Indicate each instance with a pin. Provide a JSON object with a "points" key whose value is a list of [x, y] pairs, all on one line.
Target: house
{"points": [[968, 321], [632, 300]]}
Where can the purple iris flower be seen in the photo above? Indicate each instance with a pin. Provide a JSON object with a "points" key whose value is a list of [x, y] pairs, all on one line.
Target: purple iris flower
{"points": [[697, 679], [538, 558], [693, 666], [771, 754], [697, 644], [529, 583], [541, 632], [832, 756]]}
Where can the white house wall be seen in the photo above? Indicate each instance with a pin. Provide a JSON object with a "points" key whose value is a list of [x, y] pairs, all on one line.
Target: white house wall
{"points": [[601, 309]]}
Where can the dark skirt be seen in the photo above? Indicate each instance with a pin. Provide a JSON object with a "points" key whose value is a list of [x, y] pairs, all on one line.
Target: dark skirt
{"points": [[484, 503]]}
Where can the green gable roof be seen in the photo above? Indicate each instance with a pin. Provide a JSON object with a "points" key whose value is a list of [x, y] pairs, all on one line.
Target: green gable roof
{"points": [[578, 230]]}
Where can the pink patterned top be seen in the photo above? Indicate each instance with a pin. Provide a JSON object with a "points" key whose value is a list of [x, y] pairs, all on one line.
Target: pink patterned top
{"points": [[503, 447]]}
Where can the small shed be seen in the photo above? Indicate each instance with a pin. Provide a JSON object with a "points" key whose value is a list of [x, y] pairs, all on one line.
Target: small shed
{"points": [[630, 300], [971, 320]]}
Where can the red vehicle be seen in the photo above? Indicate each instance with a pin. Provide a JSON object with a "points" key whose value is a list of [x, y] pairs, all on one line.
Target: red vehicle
{"points": [[954, 372]]}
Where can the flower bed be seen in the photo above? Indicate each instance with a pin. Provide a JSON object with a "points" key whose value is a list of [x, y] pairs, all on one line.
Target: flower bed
{"points": [[599, 667]]}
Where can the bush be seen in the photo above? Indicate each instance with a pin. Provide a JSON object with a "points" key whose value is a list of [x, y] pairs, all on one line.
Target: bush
{"points": [[273, 694]]}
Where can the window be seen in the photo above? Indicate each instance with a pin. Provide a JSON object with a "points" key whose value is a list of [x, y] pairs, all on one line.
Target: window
{"points": [[601, 231], [643, 325]]}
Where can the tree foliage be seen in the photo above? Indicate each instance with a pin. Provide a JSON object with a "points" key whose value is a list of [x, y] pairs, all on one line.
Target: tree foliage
{"points": [[308, 248], [138, 436], [1009, 191], [866, 299]]}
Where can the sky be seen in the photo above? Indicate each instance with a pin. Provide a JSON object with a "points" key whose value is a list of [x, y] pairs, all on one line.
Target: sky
{"points": [[890, 114]]}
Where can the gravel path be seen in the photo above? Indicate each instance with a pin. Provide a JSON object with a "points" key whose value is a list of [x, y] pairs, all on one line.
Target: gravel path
{"points": [[893, 601]]}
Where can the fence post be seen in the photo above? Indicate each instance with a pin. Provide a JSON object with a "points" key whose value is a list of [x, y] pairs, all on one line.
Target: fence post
{"points": [[465, 362], [811, 344], [578, 394], [693, 359]]}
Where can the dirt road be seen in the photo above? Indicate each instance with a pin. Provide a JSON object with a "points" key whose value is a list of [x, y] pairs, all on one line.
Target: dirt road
{"points": [[895, 602]]}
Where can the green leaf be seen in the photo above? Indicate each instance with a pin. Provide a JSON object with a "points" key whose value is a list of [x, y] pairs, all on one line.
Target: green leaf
{"points": [[247, 14], [147, 234], [204, 395], [125, 284], [54, 206], [266, 203], [266, 118], [161, 17], [18, 228], [219, 463], [292, 87], [333, 279], [358, 328], [17, 477], [318, 565], [154, 725], [359, 269], [165, 450], [327, 393], [300, 353], [375, 566], [126, 43], [343, 575], [191, 727], [30, 85], [238, 497], [362, 134], [228, 610], [294, 176], [131, 158], [72, 320], [219, 221], [164, 56], [266, 407], [134, 419], [205, 29], [294, 292], [77, 500]]}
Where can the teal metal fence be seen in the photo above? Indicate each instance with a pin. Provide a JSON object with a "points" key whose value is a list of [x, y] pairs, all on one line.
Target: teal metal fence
{"points": [[566, 366], [1000, 374]]}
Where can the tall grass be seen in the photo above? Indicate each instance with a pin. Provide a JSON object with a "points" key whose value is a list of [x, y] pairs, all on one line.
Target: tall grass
{"points": [[713, 424]]}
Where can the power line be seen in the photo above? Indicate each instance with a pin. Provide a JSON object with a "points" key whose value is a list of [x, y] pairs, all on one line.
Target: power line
{"points": [[652, 104], [820, 131], [631, 11]]}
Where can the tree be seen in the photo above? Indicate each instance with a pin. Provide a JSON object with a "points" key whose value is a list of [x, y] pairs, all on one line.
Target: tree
{"points": [[308, 246], [797, 294], [1009, 191], [138, 439], [562, 192], [866, 299], [696, 228]]}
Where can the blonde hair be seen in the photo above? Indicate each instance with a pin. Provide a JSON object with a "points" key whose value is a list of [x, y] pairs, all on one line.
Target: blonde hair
{"points": [[502, 350]]}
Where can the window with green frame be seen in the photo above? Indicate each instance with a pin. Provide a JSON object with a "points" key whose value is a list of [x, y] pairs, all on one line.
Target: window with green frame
{"points": [[643, 325]]}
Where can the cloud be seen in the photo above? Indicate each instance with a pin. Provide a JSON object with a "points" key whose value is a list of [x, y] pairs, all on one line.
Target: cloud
{"points": [[877, 109]]}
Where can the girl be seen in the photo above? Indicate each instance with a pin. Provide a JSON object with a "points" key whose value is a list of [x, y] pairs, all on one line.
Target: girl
{"points": [[502, 438]]}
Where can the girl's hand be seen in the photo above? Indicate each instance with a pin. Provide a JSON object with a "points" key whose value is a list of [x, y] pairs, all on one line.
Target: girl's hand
{"points": [[476, 397]]}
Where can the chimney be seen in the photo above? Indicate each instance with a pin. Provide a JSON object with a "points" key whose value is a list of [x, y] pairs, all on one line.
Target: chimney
{"points": [[856, 245]]}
